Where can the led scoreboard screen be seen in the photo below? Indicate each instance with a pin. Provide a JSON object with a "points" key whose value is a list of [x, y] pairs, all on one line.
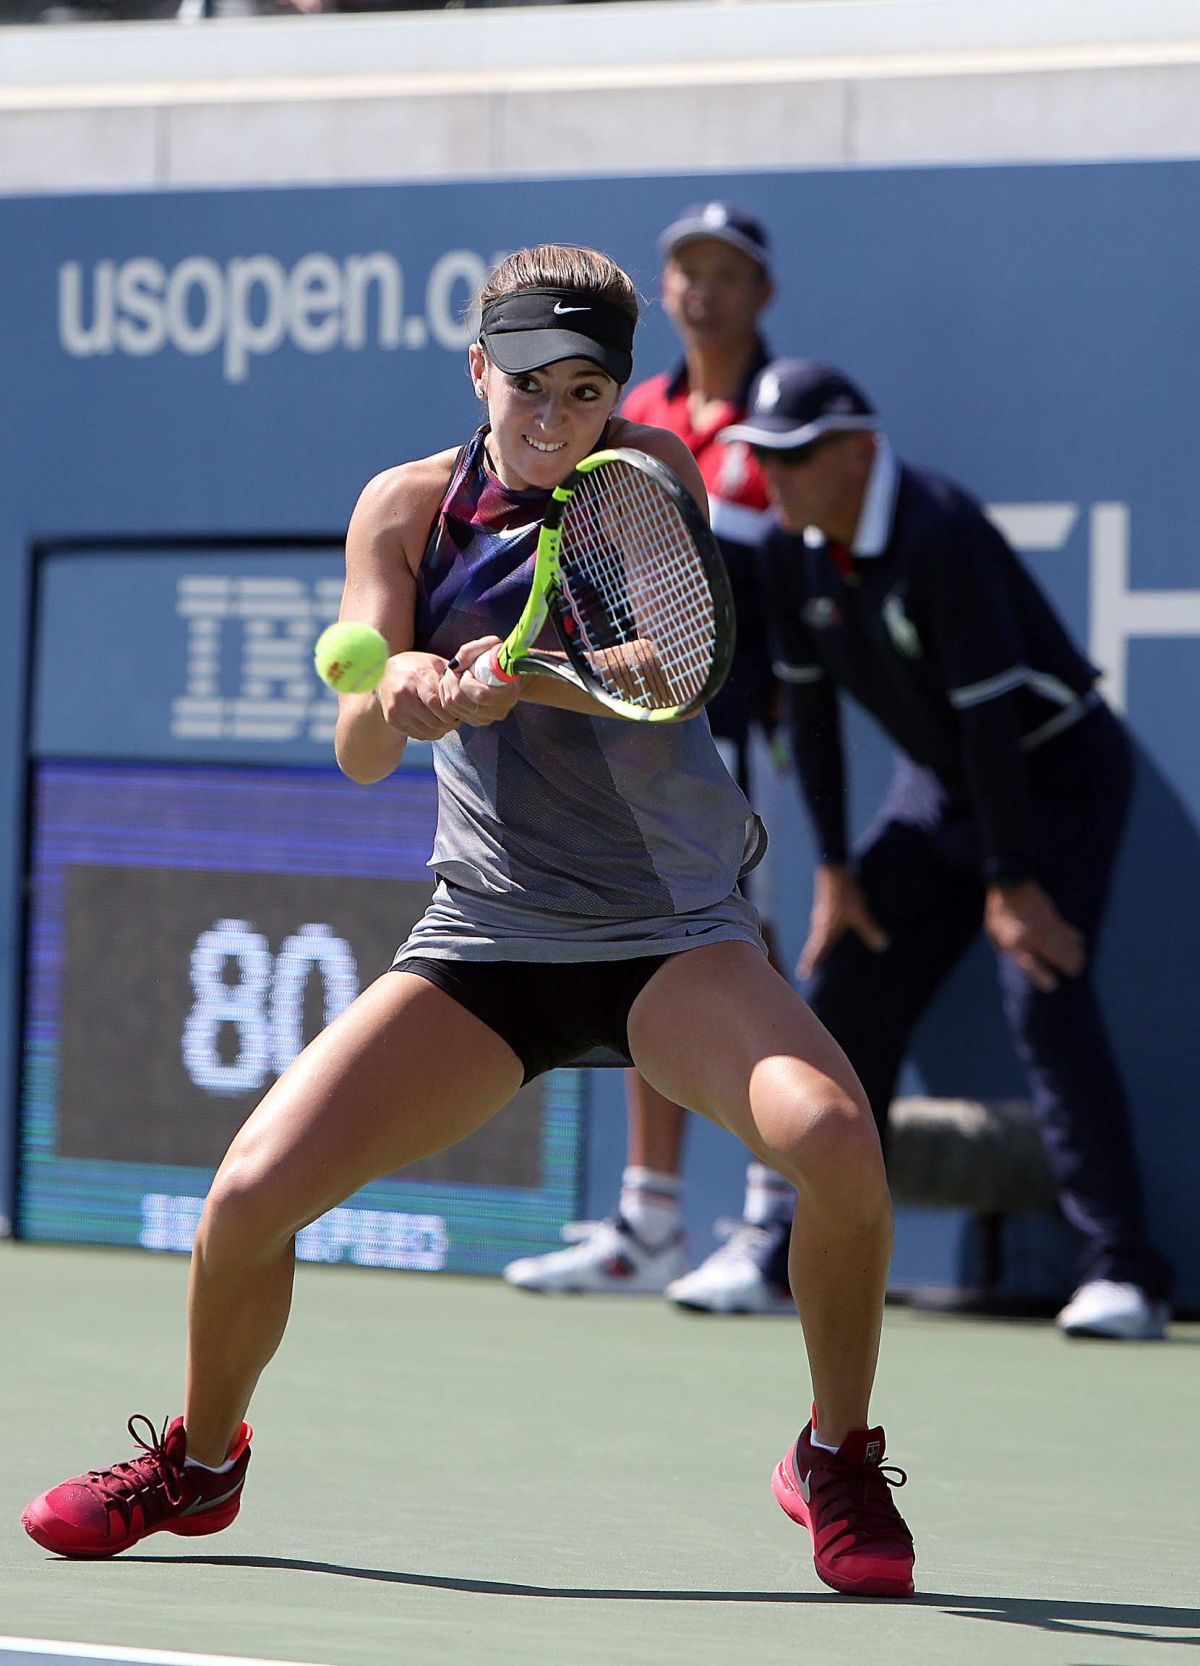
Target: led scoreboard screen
{"points": [[191, 926]]}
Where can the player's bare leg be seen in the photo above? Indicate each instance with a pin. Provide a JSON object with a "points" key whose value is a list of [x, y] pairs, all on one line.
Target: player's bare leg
{"points": [[718, 1029], [404, 1072], [748, 1272]]}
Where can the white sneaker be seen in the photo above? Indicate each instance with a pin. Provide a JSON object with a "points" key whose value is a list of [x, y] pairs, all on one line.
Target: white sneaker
{"points": [[1121, 1311], [606, 1259], [743, 1276]]}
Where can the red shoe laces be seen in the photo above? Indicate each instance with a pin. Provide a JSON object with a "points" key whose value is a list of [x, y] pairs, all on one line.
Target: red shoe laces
{"points": [[141, 1477]]}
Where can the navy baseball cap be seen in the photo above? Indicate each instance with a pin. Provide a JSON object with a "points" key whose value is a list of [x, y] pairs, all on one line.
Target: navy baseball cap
{"points": [[722, 221], [794, 402]]}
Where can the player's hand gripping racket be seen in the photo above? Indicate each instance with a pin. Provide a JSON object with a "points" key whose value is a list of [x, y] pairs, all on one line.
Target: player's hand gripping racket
{"points": [[634, 585]]}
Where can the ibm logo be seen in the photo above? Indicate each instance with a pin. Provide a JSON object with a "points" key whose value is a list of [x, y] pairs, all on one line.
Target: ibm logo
{"points": [[275, 622]]}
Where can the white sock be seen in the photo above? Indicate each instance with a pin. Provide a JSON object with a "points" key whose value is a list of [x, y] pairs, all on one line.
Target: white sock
{"points": [[769, 1198], [213, 1469], [650, 1203], [821, 1445]]}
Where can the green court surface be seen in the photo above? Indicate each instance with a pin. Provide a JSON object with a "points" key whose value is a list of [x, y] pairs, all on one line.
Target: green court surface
{"points": [[448, 1471]]}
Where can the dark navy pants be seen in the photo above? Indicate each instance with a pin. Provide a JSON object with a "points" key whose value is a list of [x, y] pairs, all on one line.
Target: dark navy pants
{"points": [[919, 868]]}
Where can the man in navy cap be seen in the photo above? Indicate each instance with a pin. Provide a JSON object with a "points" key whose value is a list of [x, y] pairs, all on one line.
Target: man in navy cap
{"points": [[716, 281], [1006, 809]]}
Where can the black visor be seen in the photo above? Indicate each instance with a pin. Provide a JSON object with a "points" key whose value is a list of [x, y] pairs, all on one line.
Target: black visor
{"points": [[533, 327]]}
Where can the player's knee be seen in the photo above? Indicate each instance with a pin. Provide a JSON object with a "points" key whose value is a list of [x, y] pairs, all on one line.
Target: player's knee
{"points": [[245, 1211], [831, 1147]]}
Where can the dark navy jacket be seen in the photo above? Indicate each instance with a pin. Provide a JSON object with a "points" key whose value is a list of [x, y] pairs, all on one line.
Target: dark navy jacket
{"points": [[943, 636]]}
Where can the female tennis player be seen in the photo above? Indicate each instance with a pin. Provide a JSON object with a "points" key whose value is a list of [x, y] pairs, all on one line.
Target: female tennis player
{"points": [[587, 895]]}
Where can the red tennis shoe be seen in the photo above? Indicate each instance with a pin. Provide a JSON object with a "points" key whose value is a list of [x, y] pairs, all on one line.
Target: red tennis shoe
{"points": [[860, 1542], [107, 1510]]}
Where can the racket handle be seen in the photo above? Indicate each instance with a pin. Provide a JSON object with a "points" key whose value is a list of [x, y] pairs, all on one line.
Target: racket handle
{"points": [[487, 670]]}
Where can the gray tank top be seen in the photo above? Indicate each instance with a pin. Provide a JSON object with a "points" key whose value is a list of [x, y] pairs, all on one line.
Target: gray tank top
{"points": [[562, 836]]}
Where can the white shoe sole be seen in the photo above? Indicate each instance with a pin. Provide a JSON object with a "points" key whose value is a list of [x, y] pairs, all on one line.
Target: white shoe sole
{"points": [[542, 1282], [1099, 1331]]}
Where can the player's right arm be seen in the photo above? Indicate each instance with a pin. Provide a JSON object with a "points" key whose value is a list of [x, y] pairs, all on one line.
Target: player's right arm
{"points": [[384, 546]]}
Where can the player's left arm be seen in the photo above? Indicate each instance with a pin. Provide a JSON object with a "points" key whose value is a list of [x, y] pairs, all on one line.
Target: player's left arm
{"points": [[668, 448]]}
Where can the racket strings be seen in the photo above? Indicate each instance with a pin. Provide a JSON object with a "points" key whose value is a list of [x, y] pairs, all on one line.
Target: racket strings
{"points": [[637, 589]]}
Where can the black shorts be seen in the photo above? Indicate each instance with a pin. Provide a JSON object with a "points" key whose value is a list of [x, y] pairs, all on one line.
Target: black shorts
{"points": [[549, 1013]]}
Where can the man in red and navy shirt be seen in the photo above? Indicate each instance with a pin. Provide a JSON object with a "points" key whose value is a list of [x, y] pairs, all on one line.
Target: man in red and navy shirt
{"points": [[715, 284], [716, 281]]}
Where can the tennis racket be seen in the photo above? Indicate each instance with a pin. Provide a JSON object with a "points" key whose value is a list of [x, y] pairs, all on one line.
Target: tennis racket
{"points": [[633, 583]]}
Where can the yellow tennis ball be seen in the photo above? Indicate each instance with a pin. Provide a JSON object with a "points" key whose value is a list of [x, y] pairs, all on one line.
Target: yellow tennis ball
{"points": [[350, 658]]}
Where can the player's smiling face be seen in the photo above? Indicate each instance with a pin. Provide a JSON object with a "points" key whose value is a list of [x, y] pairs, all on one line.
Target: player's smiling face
{"points": [[544, 421]]}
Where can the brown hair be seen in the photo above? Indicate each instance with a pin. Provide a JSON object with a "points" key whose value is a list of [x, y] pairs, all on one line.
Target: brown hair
{"points": [[562, 266]]}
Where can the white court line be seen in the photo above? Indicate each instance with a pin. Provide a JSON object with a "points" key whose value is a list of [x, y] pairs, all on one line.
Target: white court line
{"points": [[39, 1651]]}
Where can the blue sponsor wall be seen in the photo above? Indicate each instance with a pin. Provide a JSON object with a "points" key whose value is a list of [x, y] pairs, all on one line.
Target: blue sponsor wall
{"points": [[197, 385]]}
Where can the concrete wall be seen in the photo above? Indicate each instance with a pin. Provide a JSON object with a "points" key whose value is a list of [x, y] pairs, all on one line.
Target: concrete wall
{"points": [[644, 88]]}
